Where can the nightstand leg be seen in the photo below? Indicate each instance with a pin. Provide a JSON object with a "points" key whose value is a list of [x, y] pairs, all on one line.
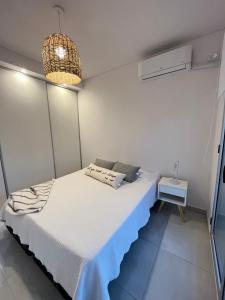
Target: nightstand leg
{"points": [[161, 206], [181, 213]]}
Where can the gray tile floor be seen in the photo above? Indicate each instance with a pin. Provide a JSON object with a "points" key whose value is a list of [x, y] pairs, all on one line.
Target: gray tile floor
{"points": [[170, 260], [183, 269]]}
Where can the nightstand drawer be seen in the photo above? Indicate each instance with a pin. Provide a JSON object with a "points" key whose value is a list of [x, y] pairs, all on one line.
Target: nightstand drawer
{"points": [[172, 190]]}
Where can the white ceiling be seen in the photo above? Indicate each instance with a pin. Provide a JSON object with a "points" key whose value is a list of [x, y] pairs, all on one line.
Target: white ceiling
{"points": [[109, 33]]}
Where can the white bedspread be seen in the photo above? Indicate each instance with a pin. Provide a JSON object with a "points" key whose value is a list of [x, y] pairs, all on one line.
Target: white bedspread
{"points": [[85, 229]]}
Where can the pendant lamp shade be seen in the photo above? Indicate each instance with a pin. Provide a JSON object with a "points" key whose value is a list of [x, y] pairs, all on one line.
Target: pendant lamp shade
{"points": [[61, 59]]}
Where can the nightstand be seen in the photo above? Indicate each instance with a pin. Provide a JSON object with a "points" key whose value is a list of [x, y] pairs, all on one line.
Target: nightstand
{"points": [[173, 191]]}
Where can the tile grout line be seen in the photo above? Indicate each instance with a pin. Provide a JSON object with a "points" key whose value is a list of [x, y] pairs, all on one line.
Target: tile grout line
{"points": [[149, 242], [150, 273], [185, 260], [178, 257], [157, 246], [182, 258], [156, 258], [126, 291]]}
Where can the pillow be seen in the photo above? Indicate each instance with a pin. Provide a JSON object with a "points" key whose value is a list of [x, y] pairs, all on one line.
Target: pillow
{"points": [[129, 170], [104, 163], [104, 175]]}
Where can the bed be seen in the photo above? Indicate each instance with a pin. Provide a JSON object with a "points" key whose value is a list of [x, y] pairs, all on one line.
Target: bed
{"points": [[85, 229]]}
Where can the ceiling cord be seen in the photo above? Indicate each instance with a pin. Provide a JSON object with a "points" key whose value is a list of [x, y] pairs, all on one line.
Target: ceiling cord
{"points": [[59, 15]]}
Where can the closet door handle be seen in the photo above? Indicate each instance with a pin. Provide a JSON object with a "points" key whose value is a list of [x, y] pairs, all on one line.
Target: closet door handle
{"points": [[224, 174]]}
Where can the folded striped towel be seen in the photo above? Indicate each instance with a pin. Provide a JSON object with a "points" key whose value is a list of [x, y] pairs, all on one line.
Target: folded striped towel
{"points": [[30, 200]]}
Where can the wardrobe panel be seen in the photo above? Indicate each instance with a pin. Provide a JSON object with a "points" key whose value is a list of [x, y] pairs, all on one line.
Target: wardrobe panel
{"points": [[65, 129], [24, 130]]}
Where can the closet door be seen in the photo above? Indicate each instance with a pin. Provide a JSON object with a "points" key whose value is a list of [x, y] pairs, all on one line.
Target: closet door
{"points": [[65, 129], [24, 130]]}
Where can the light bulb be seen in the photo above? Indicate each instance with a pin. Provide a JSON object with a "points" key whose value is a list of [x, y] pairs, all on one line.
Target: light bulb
{"points": [[60, 52]]}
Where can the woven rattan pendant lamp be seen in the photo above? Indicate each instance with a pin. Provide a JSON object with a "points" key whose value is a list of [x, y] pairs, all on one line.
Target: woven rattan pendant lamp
{"points": [[60, 57]]}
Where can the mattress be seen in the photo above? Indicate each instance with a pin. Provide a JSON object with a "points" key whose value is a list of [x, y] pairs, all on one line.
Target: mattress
{"points": [[85, 229]]}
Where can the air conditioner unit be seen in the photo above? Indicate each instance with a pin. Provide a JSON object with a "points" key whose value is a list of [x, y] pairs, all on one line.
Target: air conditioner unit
{"points": [[165, 63]]}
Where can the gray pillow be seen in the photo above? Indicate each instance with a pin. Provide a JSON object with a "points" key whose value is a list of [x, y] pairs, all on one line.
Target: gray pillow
{"points": [[104, 163], [129, 170]]}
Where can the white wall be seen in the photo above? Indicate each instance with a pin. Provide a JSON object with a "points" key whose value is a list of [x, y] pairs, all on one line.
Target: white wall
{"points": [[13, 58], [2, 186], [222, 72], [154, 123], [218, 130]]}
